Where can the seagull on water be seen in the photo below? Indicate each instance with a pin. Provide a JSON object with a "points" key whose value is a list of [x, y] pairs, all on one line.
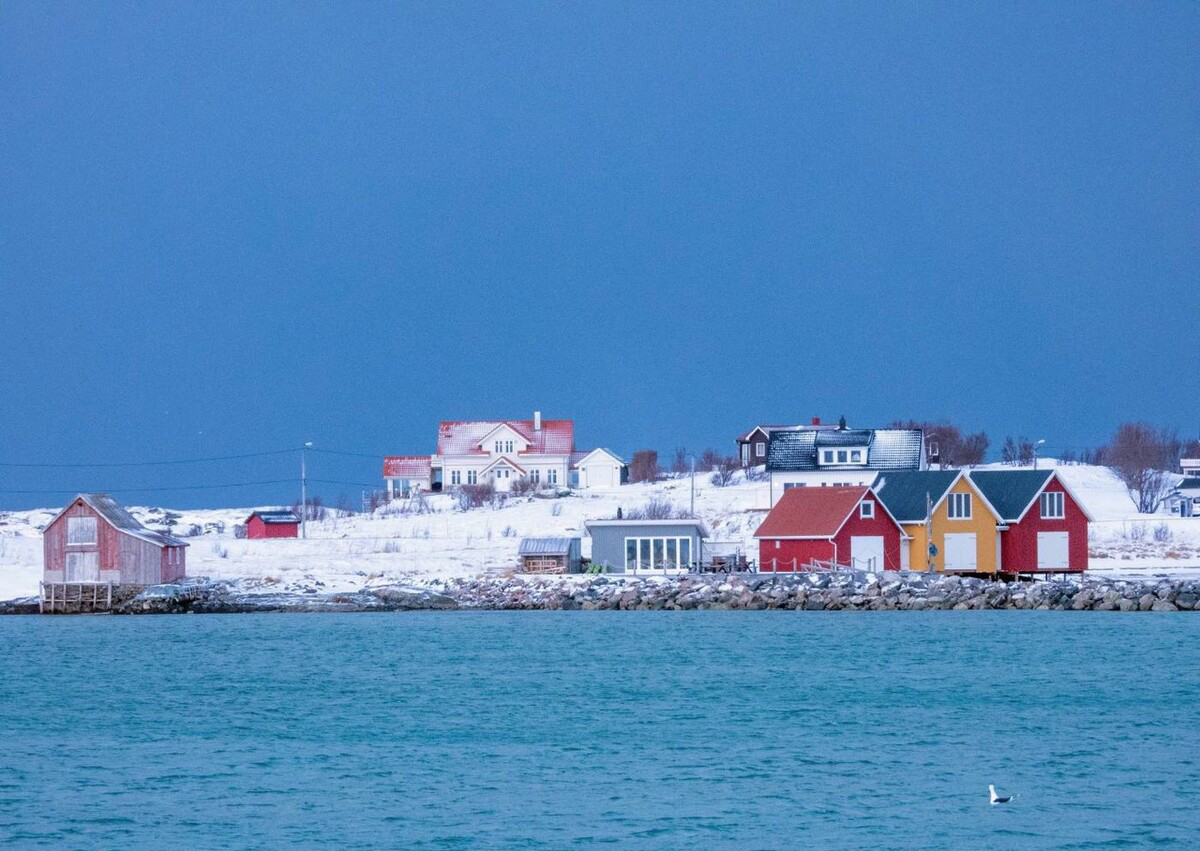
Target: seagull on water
{"points": [[994, 799]]}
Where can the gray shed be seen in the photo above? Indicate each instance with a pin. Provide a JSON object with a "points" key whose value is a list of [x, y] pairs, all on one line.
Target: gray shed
{"points": [[627, 546], [549, 555]]}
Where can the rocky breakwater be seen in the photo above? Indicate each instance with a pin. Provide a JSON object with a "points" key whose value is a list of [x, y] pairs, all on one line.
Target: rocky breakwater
{"points": [[217, 597], [820, 592]]}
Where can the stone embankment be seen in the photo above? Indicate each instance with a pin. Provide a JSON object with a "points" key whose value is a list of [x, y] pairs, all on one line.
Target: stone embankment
{"points": [[806, 592], [821, 592]]}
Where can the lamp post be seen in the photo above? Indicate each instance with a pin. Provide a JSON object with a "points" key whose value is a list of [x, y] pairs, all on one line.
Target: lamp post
{"points": [[304, 488], [1035, 451], [693, 460]]}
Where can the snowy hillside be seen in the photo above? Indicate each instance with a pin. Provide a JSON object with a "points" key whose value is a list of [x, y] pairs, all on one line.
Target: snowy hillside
{"points": [[389, 545]]}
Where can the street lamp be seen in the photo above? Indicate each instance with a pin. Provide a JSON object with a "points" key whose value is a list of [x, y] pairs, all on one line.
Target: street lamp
{"points": [[304, 489], [693, 459], [1035, 451]]}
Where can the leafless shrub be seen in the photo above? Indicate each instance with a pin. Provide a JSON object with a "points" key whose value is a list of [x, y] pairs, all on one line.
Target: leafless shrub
{"points": [[239, 530], [679, 463], [523, 486], [1162, 533], [656, 508], [556, 509], [1141, 456], [757, 474], [508, 532], [467, 497], [220, 551], [724, 471], [192, 530]]}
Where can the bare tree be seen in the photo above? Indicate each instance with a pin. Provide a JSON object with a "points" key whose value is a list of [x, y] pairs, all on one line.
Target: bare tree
{"points": [[953, 447], [679, 461], [723, 471], [1008, 453], [1141, 456], [1026, 451], [644, 466], [656, 508]]}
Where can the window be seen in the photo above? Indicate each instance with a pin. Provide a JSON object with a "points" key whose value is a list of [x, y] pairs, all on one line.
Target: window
{"points": [[552, 476], [535, 476], [657, 553], [472, 477], [760, 449], [959, 507], [843, 456], [81, 530], [455, 477], [787, 486], [508, 446], [777, 543], [866, 509], [828, 456], [856, 456], [499, 447], [1052, 504]]}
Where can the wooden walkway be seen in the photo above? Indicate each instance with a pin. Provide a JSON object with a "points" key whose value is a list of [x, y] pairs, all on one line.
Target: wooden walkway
{"points": [[75, 597]]}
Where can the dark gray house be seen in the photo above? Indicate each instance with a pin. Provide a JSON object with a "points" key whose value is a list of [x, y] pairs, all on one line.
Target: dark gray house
{"points": [[629, 546]]}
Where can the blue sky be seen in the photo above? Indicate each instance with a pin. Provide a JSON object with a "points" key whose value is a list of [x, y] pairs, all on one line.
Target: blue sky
{"points": [[232, 227]]}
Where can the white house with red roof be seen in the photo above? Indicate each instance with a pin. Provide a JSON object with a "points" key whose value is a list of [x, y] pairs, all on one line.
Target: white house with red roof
{"points": [[502, 452]]}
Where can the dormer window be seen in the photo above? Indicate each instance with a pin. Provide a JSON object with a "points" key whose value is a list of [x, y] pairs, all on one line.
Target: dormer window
{"points": [[844, 456], [855, 456], [828, 459]]}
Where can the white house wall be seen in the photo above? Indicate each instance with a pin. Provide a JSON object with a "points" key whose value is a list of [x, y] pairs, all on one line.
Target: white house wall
{"points": [[819, 478]]}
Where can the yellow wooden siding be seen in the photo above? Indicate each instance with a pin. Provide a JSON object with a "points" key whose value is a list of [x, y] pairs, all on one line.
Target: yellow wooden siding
{"points": [[982, 523]]}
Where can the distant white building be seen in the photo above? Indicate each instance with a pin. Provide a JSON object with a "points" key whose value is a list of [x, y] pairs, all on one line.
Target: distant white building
{"points": [[1184, 501], [503, 452]]}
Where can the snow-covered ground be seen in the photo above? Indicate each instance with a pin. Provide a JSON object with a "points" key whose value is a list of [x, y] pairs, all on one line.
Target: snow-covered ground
{"points": [[391, 546]]}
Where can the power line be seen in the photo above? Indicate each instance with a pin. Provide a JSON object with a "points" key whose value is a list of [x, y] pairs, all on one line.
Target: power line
{"points": [[158, 490], [375, 456], [153, 463]]}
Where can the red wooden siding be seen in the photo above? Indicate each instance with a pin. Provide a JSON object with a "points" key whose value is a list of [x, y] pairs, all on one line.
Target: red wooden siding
{"points": [[124, 559], [1018, 544], [256, 528]]}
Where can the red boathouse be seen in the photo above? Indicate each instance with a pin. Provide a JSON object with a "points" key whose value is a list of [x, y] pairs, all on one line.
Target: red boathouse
{"points": [[95, 540], [1045, 525], [822, 526]]}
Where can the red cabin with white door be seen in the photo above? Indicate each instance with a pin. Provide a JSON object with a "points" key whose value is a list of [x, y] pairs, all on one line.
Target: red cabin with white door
{"points": [[95, 540], [847, 526], [1045, 526]]}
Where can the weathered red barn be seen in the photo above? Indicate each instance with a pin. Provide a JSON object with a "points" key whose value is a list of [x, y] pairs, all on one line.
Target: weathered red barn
{"points": [[840, 525], [95, 540], [273, 524], [1045, 527]]}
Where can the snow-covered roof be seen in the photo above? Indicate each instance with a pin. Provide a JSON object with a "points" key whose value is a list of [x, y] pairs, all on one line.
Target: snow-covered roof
{"points": [[281, 517], [555, 437], [887, 448], [579, 457], [545, 546], [406, 467]]}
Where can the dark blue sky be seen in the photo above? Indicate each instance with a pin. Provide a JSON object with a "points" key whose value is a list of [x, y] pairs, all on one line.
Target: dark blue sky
{"points": [[233, 227]]}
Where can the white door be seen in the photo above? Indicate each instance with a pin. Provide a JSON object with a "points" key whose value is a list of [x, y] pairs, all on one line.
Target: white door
{"points": [[600, 476], [1053, 549], [501, 479], [83, 567], [960, 552], [867, 552]]}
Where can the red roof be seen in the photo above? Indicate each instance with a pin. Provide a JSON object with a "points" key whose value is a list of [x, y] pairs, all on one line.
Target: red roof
{"points": [[556, 437], [406, 467], [812, 512]]}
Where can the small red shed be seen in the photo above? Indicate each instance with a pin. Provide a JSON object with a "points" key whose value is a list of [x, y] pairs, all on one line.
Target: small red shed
{"points": [[1045, 526], [273, 524], [846, 526], [94, 539]]}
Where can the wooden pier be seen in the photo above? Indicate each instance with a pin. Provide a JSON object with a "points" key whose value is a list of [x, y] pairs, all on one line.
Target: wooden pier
{"points": [[75, 597]]}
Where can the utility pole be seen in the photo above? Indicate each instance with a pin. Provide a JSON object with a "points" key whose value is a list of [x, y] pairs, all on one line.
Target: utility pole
{"points": [[304, 489], [693, 460]]}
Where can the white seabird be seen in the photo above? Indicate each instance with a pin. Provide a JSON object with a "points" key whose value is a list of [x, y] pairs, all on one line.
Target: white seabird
{"points": [[994, 799]]}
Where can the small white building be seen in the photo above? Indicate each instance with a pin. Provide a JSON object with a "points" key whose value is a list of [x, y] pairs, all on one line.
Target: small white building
{"points": [[600, 468]]}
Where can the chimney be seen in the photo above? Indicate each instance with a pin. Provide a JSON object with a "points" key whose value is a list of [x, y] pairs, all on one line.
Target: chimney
{"points": [[537, 420], [816, 420]]}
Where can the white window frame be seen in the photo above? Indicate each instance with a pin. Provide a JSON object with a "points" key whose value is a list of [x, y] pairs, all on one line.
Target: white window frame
{"points": [[827, 454], [760, 449], [1057, 503], [959, 506], [472, 477], [81, 522], [552, 476], [455, 477], [855, 456], [866, 509], [662, 540]]}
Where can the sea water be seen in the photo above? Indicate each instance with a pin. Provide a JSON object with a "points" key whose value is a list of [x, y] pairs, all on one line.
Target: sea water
{"points": [[629, 730]]}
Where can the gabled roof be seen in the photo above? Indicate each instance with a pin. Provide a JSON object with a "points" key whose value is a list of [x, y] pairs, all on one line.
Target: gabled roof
{"points": [[767, 430], [1013, 492], [121, 520], [545, 546], [406, 467], [556, 437], [904, 491], [579, 457], [814, 512], [887, 448], [504, 459], [1189, 483], [282, 517]]}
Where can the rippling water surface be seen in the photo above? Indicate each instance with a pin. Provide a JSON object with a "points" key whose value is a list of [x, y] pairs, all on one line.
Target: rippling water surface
{"points": [[635, 730]]}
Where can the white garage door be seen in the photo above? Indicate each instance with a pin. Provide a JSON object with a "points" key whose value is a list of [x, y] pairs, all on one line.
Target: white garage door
{"points": [[960, 552], [1052, 550], [867, 552], [600, 476]]}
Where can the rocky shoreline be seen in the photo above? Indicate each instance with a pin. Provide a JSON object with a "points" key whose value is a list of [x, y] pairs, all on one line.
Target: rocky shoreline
{"points": [[804, 592]]}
